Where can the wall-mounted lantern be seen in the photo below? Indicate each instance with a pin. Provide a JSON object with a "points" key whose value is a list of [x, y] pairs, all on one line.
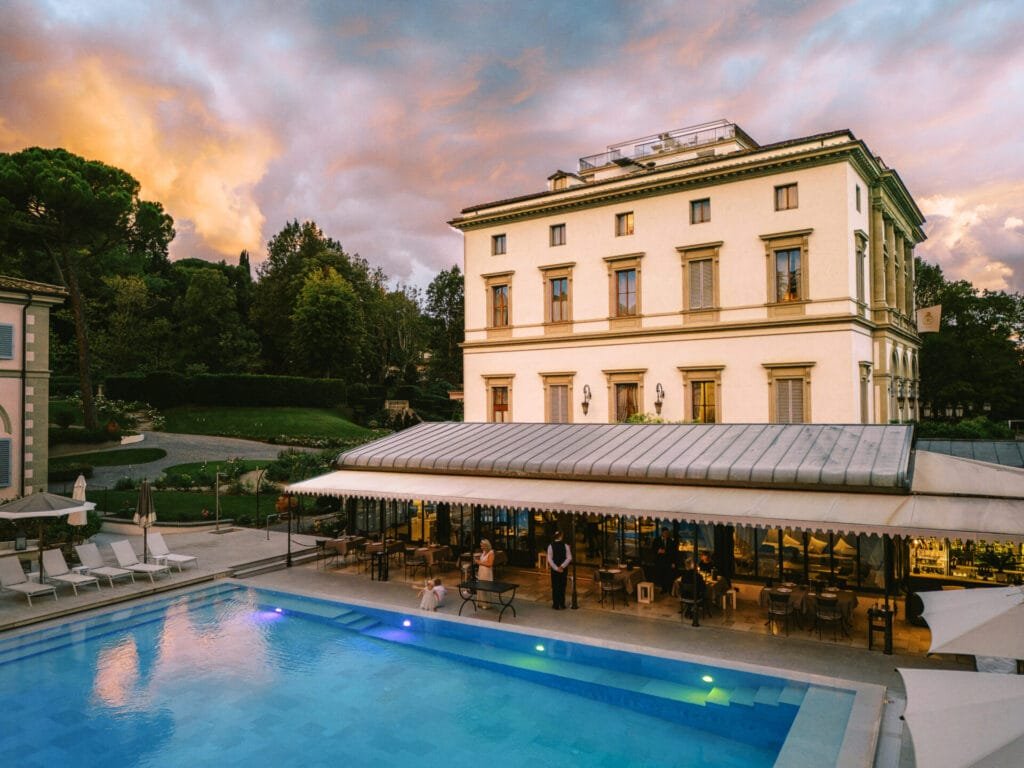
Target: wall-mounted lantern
{"points": [[586, 399], [659, 397]]}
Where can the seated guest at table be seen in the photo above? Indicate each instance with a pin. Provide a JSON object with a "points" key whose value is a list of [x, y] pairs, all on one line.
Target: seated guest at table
{"points": [[706, 565], [666, 557], [687, 578]]}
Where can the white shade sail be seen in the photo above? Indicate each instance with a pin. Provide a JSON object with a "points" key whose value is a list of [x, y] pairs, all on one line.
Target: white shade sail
{"points": [[961, 719], [981, 622]]}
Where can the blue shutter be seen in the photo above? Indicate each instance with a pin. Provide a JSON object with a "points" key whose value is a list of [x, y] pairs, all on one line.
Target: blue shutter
{"points": [[6, 342], [5, 462]]}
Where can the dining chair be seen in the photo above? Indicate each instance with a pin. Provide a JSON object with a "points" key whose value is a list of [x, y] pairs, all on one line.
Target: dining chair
{"points": [[610, 585], [827, 612], [779, 610], [689, 601]]}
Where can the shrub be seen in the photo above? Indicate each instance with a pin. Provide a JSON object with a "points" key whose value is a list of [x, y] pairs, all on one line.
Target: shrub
{"points": [[70, 472]]}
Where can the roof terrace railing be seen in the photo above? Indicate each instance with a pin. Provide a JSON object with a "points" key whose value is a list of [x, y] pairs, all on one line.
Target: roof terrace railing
{"points": [[672, 141]]}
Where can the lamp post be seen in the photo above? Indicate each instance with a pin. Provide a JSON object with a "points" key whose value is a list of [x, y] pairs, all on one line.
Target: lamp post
{"points": [[696, 575], [259, 482], [216, 500]]}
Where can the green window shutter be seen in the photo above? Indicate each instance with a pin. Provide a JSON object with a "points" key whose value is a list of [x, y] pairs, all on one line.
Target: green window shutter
{"points": [[6, 342], [5, 463]]}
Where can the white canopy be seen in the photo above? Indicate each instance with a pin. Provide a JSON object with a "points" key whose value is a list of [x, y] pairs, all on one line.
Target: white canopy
{"points": [[960, 719], [894, 514], [982, 622]]}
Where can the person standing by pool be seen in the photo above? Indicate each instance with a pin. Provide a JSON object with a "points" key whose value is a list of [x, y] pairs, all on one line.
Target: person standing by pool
{"points": [[559, 557], [485, 569]]}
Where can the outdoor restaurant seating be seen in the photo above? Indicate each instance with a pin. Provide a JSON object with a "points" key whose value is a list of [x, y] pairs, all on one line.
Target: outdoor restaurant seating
{"points": [[416, 560], [689, 601], [827, 613], [12, 577], [780, 609], [90, 557], [610, 586], [56, 569]]}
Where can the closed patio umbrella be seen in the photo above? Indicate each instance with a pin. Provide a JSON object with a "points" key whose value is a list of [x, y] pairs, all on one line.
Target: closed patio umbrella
{"points": [[39, 507], [145, 515], [984, 621], [961, 719], [79, 517]]}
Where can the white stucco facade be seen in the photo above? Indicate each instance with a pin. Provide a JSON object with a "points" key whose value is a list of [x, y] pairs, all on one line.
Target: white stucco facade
{"points": [[691, 292]]}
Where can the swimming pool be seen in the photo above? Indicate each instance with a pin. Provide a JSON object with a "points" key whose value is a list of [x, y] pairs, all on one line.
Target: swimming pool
{"points": [[255, 677]]}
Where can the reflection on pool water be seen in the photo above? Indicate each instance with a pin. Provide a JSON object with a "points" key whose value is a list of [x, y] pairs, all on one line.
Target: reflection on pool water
{"points": [[254, 677]]}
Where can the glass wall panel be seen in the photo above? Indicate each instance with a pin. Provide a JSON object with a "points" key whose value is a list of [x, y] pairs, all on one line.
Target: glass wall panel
{"points": [[819, 557], [844, 558], [793, 556], [872, 556], [745, 551]]}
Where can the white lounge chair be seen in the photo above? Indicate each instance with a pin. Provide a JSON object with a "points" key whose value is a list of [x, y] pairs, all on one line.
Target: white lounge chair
{"points": [[12, 577], [126, 558], [89, 555], [158, 551], [55, 568]]}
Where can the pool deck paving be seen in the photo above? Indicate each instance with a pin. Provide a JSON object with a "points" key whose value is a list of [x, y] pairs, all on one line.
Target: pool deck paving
{"points": [[737, 636]]}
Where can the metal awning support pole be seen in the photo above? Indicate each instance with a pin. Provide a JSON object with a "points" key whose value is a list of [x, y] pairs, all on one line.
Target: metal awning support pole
{"points": [[288, 558], [575, 601], [696, 575]]}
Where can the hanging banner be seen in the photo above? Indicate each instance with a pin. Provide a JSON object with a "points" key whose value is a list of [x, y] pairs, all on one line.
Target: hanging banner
{"points": [[928, 319]]}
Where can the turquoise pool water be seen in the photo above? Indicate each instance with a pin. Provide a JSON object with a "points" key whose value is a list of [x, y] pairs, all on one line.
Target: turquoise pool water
{"points": [[236, 676]]}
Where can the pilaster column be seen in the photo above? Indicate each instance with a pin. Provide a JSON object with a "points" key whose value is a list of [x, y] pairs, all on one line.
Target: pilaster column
{"points": [[877, 258], [908, 259], [901, 274], [890, 264]]}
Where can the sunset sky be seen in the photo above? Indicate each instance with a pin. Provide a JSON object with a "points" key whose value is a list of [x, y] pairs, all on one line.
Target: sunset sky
{"points": [[380, 121]]}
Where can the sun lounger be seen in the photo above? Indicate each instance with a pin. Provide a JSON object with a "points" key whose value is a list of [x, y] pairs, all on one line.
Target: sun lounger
{"points": [[158, 551], [12, 577], [126, 558], [55, 568], [90, 556]]}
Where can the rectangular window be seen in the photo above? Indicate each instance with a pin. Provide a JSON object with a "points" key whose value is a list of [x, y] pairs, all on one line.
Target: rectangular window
{"points": [[785, 197], [625, 292], [499, 404], [6, 342], [623, 224], [557, 235], [787, 275], [702, 410], [497, 245], [858, 197], [626, 396], [5, 463], [559, 300], [499, 306], [701, 283], [558, 403], [859, 268], [789, 401], [700, 211]]}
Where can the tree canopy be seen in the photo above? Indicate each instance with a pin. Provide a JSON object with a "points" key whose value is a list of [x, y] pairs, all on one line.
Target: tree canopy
{"points": [[976, 361], [72, 221]]}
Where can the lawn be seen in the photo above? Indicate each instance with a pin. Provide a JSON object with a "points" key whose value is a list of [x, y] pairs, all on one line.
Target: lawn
{"points": [[120, 458], [263, 423], [209, 467]]}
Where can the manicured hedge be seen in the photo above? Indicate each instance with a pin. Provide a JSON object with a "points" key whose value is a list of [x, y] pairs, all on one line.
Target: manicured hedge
{"points": [[169, 389]]}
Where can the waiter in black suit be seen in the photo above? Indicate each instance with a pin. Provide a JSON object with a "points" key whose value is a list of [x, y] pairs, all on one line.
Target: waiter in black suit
{"points": [[559, 557]]}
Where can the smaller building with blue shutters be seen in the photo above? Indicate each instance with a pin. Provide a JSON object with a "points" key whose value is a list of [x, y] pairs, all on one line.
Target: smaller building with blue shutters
{"points": [[25, 383]]}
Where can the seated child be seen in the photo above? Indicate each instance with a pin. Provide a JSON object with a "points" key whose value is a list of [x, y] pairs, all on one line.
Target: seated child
{"points": [[432, 594]]}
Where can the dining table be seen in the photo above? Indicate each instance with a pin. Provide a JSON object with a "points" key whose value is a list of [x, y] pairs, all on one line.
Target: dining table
{"points": [[628, 577], [846, 601], [713, 589]]}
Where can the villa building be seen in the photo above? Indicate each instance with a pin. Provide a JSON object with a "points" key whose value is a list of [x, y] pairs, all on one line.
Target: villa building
{"points": [[702, 277], [25, 383]]}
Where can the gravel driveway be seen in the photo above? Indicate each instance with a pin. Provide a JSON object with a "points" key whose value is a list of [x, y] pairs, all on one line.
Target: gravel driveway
{"points": [[181, 449]]}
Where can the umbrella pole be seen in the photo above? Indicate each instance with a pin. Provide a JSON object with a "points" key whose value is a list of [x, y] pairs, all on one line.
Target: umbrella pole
{"points": [[145, 542], [39, 546]]}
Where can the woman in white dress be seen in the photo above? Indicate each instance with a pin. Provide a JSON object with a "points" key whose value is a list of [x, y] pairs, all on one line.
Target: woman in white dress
{"points": [[485, 570]]}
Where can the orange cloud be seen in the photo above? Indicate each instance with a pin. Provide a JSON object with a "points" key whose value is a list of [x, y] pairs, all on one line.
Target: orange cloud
{"points": [[200, 167]]}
